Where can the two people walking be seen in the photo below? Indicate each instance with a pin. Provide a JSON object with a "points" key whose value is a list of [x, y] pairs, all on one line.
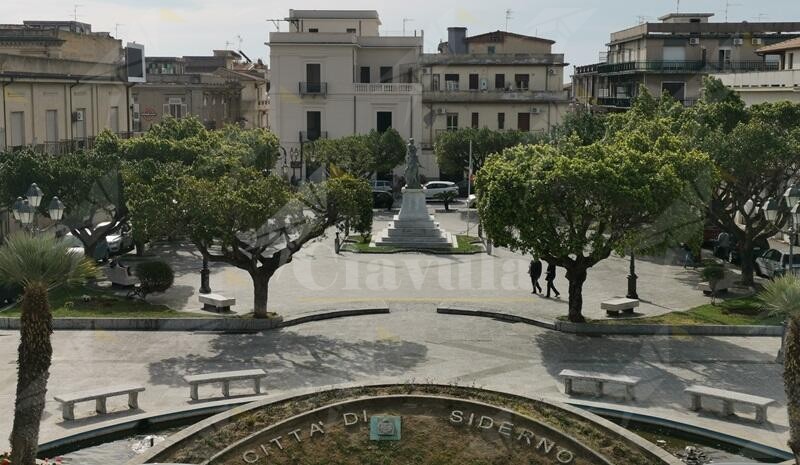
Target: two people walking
{"points": [[535, 271]]}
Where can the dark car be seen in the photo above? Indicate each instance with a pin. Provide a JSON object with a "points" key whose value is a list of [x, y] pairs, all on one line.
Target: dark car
{"points": [[382, 199]]}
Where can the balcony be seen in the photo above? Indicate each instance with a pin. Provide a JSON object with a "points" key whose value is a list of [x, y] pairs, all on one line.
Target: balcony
{"points": [[310, 136], [495, 96], [587, 69], [313, 88], [788, 79], [626, 102], [390, 88], [631, 67]]}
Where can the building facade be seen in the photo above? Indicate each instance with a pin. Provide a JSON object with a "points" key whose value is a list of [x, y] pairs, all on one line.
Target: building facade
{"points": [[674, 55], [221, 89], [334, 75], [498, 80], [61, 85], [778, 85]]}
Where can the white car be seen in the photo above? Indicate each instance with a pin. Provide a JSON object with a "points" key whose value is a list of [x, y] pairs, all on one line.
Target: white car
{"points": [[384, 186], [774, 263], [120, 241], [434, 188]]}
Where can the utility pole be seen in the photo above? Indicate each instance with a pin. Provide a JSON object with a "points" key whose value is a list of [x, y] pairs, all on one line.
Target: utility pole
{"points": [[406, 20]]}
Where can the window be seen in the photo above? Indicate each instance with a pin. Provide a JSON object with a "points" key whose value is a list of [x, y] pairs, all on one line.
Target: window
{"points": [[501, 121], [51, 125], [676, 89], [473, 82], [175, 108], [451, 81], [313, 125], [475, 120], [313, 78], [313, 29], [351, 30], [17, 128], [491, 50], [386, 74], [522, 81], [452, 121], [384, 121], [365, 74], [524, 121], [435, 82], [499, 81]]}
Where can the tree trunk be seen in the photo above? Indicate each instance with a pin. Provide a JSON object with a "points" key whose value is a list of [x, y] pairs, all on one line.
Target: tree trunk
{"points": [[139, 248], [260, 293], [791, 379], [576, 279], [35, 354], [747, 262]]}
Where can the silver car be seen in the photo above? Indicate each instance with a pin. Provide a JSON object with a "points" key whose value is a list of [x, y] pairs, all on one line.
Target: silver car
{"points": [[774, 263], [434, 188]]}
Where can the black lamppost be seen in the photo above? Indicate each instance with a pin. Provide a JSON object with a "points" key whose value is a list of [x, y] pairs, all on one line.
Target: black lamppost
{"points": [[24, 209], [632, 294], [205, 274], [296, 157]]}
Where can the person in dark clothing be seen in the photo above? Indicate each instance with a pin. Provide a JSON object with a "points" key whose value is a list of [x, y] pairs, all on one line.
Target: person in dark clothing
{"points": [[535, 270], [550, 276]]}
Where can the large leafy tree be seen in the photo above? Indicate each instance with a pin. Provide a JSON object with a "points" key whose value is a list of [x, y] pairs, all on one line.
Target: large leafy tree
{"points": [[362, 155], [452, 147], [573, 205], [35, 263], [757, 152]]}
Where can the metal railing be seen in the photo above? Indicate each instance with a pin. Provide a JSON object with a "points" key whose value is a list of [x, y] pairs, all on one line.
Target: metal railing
{"points": [[626, 102], [386, 88], [313, 88], [665, 66]]}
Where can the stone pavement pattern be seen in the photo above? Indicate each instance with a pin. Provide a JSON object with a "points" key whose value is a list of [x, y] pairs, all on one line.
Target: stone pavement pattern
{"points": [[412, 343], [318, 279]]}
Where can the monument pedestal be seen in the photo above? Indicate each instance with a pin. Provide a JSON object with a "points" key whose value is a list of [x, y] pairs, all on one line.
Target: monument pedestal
{"points": [[414, 227]]}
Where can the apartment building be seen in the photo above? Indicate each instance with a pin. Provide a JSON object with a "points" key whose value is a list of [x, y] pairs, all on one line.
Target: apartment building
{"points": [[498, 80], [333, 74], [224, 88], [61, 85], [774, 85], [674, 54]]}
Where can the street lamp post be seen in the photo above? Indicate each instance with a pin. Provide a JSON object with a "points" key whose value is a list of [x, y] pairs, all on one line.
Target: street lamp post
{"points": [[205, 274], [24, 209], [632, 294]]}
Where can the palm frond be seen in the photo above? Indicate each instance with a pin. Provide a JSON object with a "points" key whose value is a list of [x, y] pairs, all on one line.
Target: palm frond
{"points": [[26, 259], [782, 296]]}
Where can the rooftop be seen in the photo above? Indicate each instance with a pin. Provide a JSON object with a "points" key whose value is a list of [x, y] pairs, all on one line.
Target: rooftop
{"points": [[670, 16], [497, 36], [333, 14], [781, 46]]}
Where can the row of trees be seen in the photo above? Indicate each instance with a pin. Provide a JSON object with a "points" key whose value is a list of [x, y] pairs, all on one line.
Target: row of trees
{"points": [[649, 180]]}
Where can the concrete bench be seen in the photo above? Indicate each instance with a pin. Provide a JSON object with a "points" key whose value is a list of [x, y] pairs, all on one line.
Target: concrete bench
{"points": [[68, 401], [722, 286], [119, 276], [622, 304], [729, 398], [216, 302], [225, 378], [599, 379]]}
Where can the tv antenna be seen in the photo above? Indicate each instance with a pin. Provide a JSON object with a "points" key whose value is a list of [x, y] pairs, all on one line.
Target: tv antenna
{"points": [[406, 20], [75, 7], [276, 23], [728, 6], [760, 17], [239, 38], [509, 16], [116, 29], [641, 19], [228, 44], [677, 6]]}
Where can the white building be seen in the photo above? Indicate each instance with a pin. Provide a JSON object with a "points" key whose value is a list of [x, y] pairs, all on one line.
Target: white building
{"points": [[770, 86], [334, 75]]}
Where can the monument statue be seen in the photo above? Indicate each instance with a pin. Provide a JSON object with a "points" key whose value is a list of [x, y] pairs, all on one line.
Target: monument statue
{"points": [[412, 167]]}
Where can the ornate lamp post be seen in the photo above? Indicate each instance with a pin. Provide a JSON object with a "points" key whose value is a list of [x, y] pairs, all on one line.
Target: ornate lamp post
{"points": [[296, 157], [632, 294], [24, 209]]}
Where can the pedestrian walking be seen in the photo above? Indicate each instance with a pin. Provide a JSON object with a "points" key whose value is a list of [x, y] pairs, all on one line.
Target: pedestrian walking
{"points": [[550, 276], [535, 270], [688, 256]]}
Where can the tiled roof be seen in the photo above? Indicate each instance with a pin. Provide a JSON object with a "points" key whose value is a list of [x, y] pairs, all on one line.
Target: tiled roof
{"points": [[780, 46]]}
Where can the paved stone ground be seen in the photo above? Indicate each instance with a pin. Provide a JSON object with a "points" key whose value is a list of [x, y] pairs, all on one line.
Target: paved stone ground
{"points": [[317, 279], [412, 343]]}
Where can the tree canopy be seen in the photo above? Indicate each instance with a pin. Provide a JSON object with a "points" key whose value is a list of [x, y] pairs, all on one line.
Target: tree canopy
{"points": [[362, 155], [452, 147]]}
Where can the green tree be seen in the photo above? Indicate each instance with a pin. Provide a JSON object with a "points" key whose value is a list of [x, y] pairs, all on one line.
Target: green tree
{"points": [[36, 263], [362, 155], [586, 126], [256, 223], [452, 147], [782, 297], [573, 205], [757, 152]]}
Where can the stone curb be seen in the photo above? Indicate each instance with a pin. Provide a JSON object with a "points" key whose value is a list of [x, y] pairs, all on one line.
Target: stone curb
{"points": [[190, 324], [625, 329]]}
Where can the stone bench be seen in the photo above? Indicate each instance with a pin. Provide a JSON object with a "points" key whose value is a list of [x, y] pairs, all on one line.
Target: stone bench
{"points": [[622, 304], [216, 302], [729, 398], [599, 379], [119, 276], [225, 378], [722, 286], [68, 401]]}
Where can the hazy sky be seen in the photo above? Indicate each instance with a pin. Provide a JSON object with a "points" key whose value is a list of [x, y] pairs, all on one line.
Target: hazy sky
{"points": [[194, 27]]}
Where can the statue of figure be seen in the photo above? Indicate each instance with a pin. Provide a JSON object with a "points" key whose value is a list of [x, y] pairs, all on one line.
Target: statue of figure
{"points": [[412, 167]]}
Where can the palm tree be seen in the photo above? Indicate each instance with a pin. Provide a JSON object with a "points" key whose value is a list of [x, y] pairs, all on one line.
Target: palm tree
{"points": [[35, 263], [782, 298]]}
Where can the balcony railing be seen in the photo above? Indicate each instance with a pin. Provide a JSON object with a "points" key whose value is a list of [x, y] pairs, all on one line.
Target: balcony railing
{"points": [[313, 88], [586, 69], [787, 78], [386, 88], [310, 136], [677, 67], [626, 102]]}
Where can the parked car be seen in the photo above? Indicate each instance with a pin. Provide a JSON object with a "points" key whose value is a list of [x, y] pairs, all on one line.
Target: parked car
{"points": [[773, 263], [120, 241], [101, 252], [472, 201], [379, 185], [434, 188], [382, 199]]}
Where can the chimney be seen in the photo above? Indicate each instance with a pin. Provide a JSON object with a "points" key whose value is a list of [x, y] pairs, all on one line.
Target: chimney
{"points": [[457, 40]]}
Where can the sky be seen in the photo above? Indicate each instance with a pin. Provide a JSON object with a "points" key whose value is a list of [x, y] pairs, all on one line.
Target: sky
{"points": [[195, 27]]}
